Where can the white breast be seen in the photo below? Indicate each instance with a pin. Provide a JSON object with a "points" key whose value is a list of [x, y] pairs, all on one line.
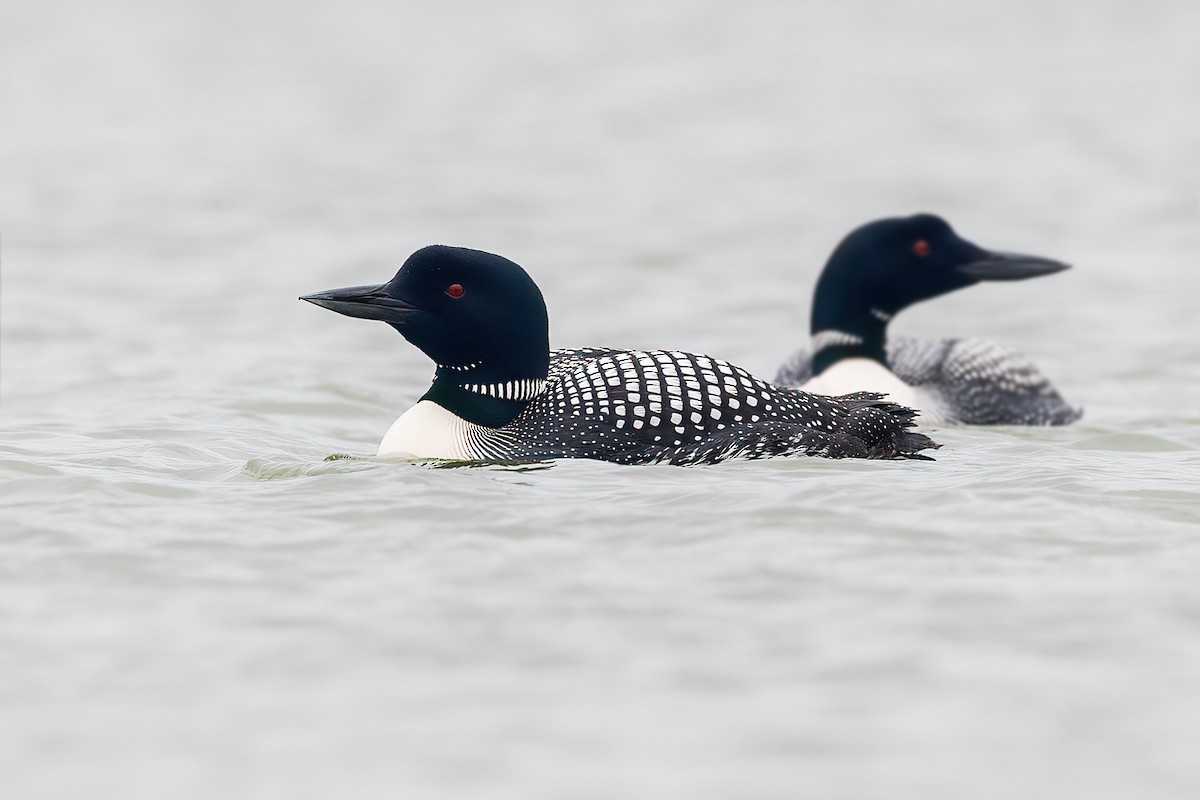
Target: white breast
{"points": [[428, 431], [866, 375]]}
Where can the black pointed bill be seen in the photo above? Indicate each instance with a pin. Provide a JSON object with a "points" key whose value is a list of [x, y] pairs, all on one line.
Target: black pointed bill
{"points": [[1011, 267], [364, 302]]}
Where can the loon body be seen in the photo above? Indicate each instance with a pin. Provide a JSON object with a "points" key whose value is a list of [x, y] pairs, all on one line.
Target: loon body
{"points": [[500, 394], [879, 270]]}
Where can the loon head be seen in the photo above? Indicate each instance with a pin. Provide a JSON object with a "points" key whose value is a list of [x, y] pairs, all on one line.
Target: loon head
{"points": [[885, 266], [479, 316]]}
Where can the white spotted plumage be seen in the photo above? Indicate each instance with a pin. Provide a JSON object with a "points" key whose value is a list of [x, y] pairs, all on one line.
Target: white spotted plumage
{"points": [[632, 407]]}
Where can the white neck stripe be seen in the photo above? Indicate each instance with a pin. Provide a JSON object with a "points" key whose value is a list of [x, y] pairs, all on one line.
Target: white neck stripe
{"points": [[462, 368], [831, 338], [523, 389]]}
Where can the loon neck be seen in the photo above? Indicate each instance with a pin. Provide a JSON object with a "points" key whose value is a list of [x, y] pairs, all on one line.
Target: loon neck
{"points": [[857, 338], [489, 397], [850, 313]]}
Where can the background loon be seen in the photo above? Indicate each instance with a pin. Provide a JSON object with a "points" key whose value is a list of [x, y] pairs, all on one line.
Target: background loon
{"points": [[499, 394], [881, 269]]}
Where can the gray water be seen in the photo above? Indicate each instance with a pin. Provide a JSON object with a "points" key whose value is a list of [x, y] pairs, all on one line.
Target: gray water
{"points": [[195, 603]]}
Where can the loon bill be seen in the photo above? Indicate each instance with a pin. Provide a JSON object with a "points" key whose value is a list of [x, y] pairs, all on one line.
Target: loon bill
{"points": [[884, 267], [500, 394]]}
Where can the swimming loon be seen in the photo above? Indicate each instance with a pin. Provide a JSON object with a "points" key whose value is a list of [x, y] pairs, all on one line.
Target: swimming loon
{"points": [[500, 394], [884, 267]]}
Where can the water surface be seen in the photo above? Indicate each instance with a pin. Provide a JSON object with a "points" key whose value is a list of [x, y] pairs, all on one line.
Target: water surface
{"points": [[195, 602]]}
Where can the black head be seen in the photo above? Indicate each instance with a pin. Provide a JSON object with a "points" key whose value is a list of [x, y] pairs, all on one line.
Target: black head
{"points": [[479, 316], [892, 263], [885, 266]]}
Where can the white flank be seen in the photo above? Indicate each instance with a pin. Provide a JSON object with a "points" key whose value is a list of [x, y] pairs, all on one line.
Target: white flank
{"points": [[428, 431], [865, 375]]}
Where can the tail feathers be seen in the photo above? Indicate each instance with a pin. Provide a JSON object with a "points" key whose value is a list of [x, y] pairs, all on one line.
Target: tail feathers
{"points": [[888, 430], [909, 444]]}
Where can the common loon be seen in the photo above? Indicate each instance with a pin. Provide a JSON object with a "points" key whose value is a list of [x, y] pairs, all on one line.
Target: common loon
{"points": [[500, 394], [884, 267]]}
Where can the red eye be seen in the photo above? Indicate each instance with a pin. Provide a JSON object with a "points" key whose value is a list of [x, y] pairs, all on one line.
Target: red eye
{"points": [[921, 247], [455, 290]]}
